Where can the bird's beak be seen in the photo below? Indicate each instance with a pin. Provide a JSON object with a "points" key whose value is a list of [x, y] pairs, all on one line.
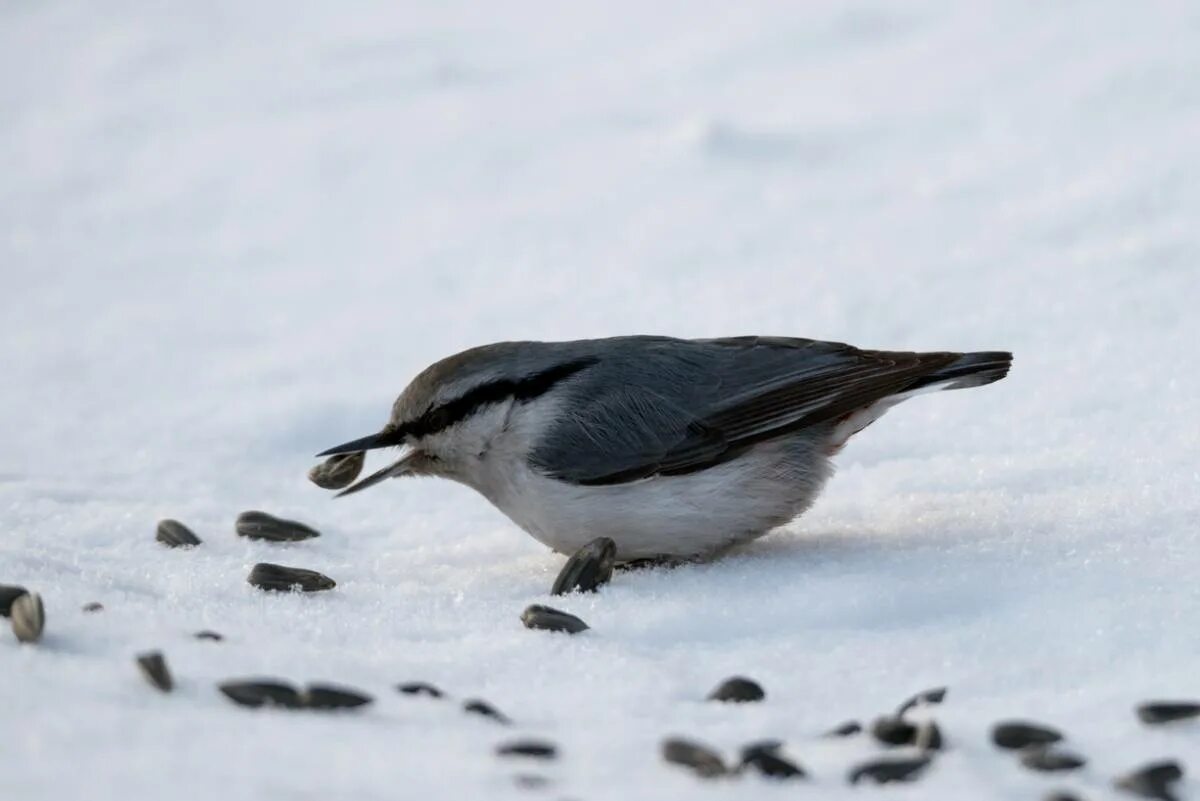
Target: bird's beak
{"points": [[402, 467], [388, 437]]}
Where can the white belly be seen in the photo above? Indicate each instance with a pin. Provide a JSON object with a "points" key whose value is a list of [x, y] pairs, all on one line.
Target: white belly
{"points": [[680, 516]]}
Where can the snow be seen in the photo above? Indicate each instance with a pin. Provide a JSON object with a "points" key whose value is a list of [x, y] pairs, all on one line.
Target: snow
{"points": [[231, 232]]}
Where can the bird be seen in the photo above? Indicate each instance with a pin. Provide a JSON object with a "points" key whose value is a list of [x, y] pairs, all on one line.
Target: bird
{"points": [[676, 449]]}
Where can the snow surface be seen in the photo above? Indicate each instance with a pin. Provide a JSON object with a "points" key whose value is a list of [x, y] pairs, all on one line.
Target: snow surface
{"points": [[231, 232]]}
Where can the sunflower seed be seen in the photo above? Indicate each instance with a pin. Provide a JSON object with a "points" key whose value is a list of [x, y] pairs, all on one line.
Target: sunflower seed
{"points": [[154, 667], [769, 763], [208, 635], [537, 749], [701, 759], [894, 731], [1152, 780], [1046, 759], [28, 617], [1062, 795], [928, 737], [324, 696], [420, 688], [262, 526], [8, 594], [934, 696], [174, 534], [737, 689], [846, 729], [588, 568], [478, 707], [883, 771], [530, 781], [749, 750], [337, 472], [1014, 734], [537, 616], [267, 576], [1153, 712], [94, 606], [261, 693]]}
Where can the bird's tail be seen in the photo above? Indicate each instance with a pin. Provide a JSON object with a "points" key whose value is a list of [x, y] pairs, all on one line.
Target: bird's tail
{"points": [[968, 370]]}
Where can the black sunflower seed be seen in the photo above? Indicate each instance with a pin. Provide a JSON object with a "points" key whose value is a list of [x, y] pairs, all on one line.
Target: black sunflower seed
{"points": [[479, 707], [846, 729], [267, 576], [537, 616], [261, 693], [8, 594], [420, 688], [894, 731], [93, 606], [770, 763], [537, 749], [1014, 734], [701, 759], [28, 615], [174, 534], [338, 472], [1153, 780], [588, 568], [1154, 712], [1046, 759], [883, 771], [208, 635], [934, 696], [759, 746], [737, 689], [262, 526], [325, 696], [154, 667]]}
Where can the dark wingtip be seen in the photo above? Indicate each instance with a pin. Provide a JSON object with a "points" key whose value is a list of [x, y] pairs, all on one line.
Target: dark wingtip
{"points": [[383, 439]]}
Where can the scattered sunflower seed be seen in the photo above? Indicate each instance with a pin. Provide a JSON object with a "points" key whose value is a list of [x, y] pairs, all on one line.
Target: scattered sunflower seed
{"points": [[1013, 734], [759, 746], [174, 534], [420, 688], [894, 731], [478, 707], [8, 594], [701, 759], [1152, 780], [884, 771], [588, 568], [267, 576], [538, 749], [154, 667], [94, 606], [262, 526], [928, 737], [530, 781], [737, 689], [338, 472], [770, 763], [325, 696], [28, 617], [261, 693], [846, 729], [934, 696], [208, 635], [537, 616], [1044, 758], [1153, 712], [1062, 795]]}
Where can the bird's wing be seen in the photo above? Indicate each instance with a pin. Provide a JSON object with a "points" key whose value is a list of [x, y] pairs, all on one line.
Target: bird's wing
{"points": [[661, 407]]}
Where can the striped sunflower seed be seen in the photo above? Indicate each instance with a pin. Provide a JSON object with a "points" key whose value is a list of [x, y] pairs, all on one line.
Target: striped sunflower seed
{"points": [[700, 759], [894, 731], [1046, 759], [479, 707], [154, 667], [588, 568], [1155, 712], [545, 618], [262, 526], [326, 696], [28, 615], [174, 534], [536, 749], [256, 693], [1015, 734], [267, 576], [737, 689], [338, 472], [1154, 780], [420, 688], [885, 771]]}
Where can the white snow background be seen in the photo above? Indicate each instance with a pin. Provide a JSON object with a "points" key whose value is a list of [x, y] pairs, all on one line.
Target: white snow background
{"points": [[231, 232]]}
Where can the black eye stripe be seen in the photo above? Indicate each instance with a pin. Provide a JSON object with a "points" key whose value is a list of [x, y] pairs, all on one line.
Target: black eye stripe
{"points": [[451, 412]]}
